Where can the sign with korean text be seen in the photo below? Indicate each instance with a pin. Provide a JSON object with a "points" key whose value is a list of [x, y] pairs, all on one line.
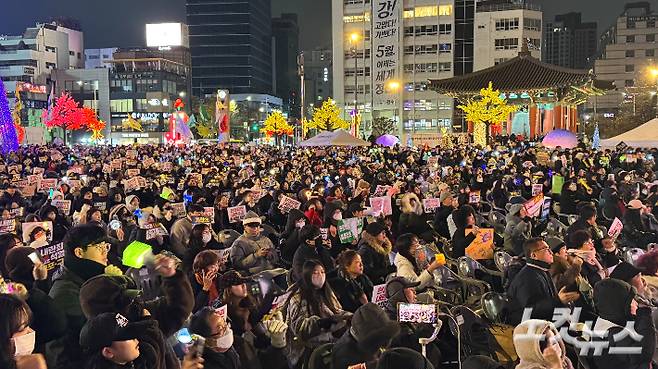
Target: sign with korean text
{"points": [[534, 205], [381, 206], [537, 189], [616, 228], [236, 213], [46, 185], [431, 204], [7, 226], [52, 255], [482, 246], [350, 229], [29, 227], [288, 204], [474, 197], [131, 184], [154, 230], [386, 25], [379, 295], [63, 205], [178, 209]]}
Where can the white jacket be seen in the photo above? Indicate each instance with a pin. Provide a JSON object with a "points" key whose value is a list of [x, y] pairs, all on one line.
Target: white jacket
{"points": [[406, 269]]}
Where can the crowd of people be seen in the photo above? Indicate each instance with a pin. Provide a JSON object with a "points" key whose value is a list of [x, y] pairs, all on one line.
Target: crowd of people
{"points": [[267, 257]]}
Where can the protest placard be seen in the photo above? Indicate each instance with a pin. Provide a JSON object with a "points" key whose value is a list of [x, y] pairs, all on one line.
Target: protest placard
{"points": [[537, 189], [7, 226], [474, 197], [148, 162], [431, 204], [75, 183], [615, 228], [417, 313], [178, 209], [28, 191], [29, 227], [201, 220], [286, 204], [324, 233], [379, 295], [63, 205], [75, 169], [45, 185], [14, 169], [102, 205], [546, 208], [52, 255], [131, 184], [17, 212], [209, 212], [38, 171], [34, 179], [534, 205], [279, 301], [482, 246], [154, 230], [349, 229], [381, 190], [557, 183], [133, 172], [236, 213], [381, 205]]}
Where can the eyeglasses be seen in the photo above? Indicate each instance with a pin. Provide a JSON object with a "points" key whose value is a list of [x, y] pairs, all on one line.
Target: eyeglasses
{"points": [[101, 246]]}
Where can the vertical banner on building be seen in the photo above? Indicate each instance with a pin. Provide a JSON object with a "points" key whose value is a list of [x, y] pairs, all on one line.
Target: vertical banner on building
{"points": [[222, 114], [386, 25]]}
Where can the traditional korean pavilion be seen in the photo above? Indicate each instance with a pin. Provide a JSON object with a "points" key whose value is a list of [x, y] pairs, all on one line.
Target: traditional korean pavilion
{"points": [[548, 95]]}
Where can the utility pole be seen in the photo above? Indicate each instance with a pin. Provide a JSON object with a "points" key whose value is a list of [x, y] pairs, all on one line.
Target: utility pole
{"points": [[300, 71]]}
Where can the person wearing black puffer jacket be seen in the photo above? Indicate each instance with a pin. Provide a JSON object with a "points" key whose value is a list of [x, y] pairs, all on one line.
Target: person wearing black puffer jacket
{"points": [[616, 306]]}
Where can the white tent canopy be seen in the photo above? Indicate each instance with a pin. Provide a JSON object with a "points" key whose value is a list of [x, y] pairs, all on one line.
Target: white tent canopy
{"points": [[645, 135], [336, 138]]}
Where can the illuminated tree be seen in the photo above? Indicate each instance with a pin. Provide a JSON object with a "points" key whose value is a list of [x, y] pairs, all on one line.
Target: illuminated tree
{"points": [[327, 118], [488, 108], [277, 125], [16, 117], [66, 113], [93, 124], [8, 139], [382, 126]]}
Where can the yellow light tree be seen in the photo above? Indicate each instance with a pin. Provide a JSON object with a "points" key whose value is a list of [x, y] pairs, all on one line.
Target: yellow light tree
{"points": [[487, 108], [276, 125], [327, 118]]}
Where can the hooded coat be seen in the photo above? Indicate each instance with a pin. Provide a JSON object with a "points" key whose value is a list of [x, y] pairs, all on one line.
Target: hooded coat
{"points": [[375, 257], [411, 219], [527, 344], [516, 231]]}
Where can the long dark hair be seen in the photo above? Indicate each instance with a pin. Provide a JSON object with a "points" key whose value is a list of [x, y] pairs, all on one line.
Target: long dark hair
{"points": [[13, 312], [196, 236], [403, 247], [314, 297]]}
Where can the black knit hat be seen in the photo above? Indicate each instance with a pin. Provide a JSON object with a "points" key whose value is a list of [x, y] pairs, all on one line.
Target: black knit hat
{"points": [[83, 235], [107, 293], [375, 228], [402, 357], [372, 328], [625, 271], [102, 330]]}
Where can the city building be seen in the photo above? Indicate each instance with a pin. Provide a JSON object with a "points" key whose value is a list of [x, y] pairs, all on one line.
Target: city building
{"points": [[570, 43], [501, 28], [628, 57], [318, 80], [252, 110], [231, 46], [407, 46], [285, 32], [99, 58], [144, 83], [90, 88]]}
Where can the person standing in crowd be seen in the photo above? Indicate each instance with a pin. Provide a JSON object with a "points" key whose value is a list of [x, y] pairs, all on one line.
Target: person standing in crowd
{"points": [[253, 252], [85, 257], [352, 287], [374, 248]]}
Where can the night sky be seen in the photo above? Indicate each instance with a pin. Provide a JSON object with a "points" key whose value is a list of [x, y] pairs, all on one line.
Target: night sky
{"points": [[121, 22]]}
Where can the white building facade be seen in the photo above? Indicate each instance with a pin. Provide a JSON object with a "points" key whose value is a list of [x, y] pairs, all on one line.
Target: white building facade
{"points": [[502, 28], [99, 58], [386, 51]]}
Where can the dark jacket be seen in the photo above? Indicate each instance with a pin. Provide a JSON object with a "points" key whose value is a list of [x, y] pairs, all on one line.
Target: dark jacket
{"points": [[346, 352], [460, 242], [305, 252], [349, 290], [224, 360], [533, 288], [376, 262], [441, 220], [581, 224]]}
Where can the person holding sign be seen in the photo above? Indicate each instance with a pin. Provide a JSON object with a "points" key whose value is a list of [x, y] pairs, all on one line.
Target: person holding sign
{"points": [[312, 246], [411, 219], [408, 251], [12, 198], [464, 218]]}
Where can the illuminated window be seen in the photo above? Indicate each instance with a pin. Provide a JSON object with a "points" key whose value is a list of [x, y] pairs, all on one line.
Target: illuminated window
{"points": [[445, 9], [422, 11], [357, 18], [408, 14]]}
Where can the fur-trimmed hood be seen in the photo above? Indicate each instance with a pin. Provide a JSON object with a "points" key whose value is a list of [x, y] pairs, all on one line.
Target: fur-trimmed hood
{"points": [[406, 205], [383, 248]]}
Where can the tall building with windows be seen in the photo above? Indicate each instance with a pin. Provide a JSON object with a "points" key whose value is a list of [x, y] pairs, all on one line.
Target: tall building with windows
{"points": [[318, 79], [501, 28], [570, 43], [628, 57], [385, 51], [285, 32], [231, 45]]}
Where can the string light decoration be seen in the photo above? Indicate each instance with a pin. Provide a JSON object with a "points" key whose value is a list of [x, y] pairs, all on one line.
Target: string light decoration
{"points": [[8, 138], [327, 118], [487, 108], [16, 116], [596, 139]]}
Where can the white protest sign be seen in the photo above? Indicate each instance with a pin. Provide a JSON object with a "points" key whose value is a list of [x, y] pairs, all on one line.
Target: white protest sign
{"points": [[236, 213]]}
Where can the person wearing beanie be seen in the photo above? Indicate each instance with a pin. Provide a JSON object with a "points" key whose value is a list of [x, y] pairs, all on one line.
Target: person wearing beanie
{"points": [[182, 229], [448, 205], [253, 252], [47, 320], [616, 305], [374, 248], [85, 256], [132, 202], [119, 294], [518, 229], [311, 246], [371, 330], [628, 273], [295, 222], [402, 357], [539, 346]]}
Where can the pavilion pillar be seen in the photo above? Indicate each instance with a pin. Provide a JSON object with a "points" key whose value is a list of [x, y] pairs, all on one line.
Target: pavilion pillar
{"points": [[574, 119], [469, 126], [532, 115], [559, 115]]}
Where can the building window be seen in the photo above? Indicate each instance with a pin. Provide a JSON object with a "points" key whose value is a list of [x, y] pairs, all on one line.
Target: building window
{"points": [[445, 9], [507, 43], [422, 11], [71, 53], [651, 38], [92, 57], [506, 24], [428, 30], [121, 106], [500, 60], [649, 52], [445, 48], [630, 68], [357, 18], [630, 38], [651, 23], [445, 67], [629, 83], [532, 24], [630, 24], [630, 53], [445, 29]]}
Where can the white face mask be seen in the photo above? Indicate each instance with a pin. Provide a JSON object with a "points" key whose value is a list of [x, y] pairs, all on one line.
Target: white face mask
{"points": [[206, 237], [318, 280], [226, 341], [24, 345], [338, 216], [300, 224]]}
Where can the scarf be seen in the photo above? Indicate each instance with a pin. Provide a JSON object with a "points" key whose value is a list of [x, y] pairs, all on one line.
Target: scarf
{"points": [[590, 258], [83, 268]]}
